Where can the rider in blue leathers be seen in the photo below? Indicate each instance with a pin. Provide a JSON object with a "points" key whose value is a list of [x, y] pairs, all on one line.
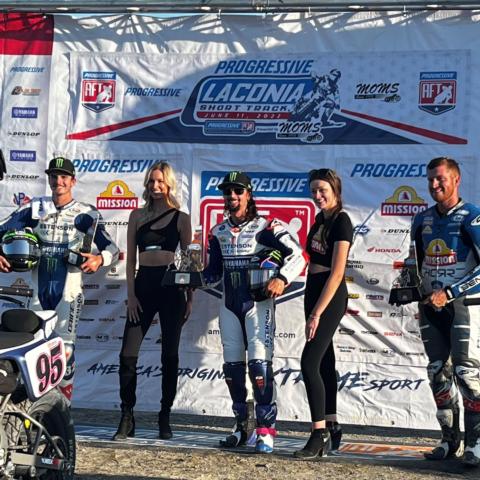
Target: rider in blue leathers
{"points": [[245, 324], [60, 223], [447, 242]]}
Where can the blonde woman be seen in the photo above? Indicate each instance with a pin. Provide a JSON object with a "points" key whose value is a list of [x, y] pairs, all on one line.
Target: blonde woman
{"points": [[154, 231]]}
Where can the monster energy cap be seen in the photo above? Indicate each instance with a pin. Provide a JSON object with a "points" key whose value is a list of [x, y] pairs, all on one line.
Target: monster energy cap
{"points": [[61, 165], [235, 178]]}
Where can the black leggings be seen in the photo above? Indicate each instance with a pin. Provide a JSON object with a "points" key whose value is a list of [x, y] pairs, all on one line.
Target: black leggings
{"points": [[169, 303], [318, 356]]}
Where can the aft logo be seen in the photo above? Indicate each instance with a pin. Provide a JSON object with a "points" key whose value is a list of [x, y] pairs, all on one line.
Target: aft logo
{"points": [[437, 92], [404, 202], [98, 90], [117, 196]]}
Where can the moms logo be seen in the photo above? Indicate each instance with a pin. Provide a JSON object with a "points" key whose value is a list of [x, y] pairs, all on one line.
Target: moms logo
{"points": [[403, 203], [117, 196], [98, 90]]}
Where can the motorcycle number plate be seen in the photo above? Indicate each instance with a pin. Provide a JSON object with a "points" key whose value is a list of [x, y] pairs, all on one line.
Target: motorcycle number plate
{"points": [[46, 365]]}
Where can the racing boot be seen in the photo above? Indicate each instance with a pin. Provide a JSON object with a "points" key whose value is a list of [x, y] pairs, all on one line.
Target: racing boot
{"points": [[126, 428], [318, 445], [450, 444], [471, 454], [265, 439], [237, 438], [164, 429], [335, 431]]}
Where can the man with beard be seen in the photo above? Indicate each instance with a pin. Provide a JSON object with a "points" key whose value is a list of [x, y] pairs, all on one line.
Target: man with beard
{"points": [[247, 320], [447, 241]]}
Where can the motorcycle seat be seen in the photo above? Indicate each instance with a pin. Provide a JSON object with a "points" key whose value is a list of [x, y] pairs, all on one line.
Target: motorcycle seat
{"points": [[20, 320]]}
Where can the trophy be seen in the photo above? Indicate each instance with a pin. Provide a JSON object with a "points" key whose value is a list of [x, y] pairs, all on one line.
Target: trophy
{"points": [[73, 256], [186, 269], [406, 287]]}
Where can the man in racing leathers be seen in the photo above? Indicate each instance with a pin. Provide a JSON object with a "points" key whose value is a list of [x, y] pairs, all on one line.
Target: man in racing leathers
{"points": [[246, 324], [447, 241], [60, 223]]}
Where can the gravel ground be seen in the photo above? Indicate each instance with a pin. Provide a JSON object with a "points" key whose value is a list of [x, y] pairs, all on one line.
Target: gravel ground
{"points": [[138, 463]]}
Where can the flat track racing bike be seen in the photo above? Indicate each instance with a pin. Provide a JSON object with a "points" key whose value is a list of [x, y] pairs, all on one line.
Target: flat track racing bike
{"points": [[37, 438]]}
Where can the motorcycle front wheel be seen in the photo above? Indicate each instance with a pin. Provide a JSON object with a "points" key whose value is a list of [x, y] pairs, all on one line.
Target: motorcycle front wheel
{"points": [[53, 413]]}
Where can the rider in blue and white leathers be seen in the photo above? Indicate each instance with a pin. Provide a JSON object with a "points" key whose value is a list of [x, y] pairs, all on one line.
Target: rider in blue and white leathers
{"points": [[58, 285], [246, 324], [447, 241]]}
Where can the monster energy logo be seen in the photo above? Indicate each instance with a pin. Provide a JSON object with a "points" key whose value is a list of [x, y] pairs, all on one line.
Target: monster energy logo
{"points": [[235, 279], [59, 162], [233, 176], [276, 254], [51, 264]]}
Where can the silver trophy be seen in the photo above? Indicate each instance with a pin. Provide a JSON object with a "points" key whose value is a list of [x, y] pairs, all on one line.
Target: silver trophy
{"points": [[186, 269], [406, 287]]}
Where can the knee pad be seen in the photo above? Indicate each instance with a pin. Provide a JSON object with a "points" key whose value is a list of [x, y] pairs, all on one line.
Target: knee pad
{"points": [[261, 376], [235, 376], [439, 371], [468, 376]]}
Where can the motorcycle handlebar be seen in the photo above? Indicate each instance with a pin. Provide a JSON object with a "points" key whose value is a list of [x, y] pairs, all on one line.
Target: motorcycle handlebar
{"points": [[16, 291]]}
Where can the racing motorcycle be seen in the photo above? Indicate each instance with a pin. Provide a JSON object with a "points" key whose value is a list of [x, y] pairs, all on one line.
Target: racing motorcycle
{"points": [[37, 438], [306, 109]]}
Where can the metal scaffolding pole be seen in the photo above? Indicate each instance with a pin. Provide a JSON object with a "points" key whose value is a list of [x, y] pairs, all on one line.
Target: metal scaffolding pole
{"points": [[228, 6]]}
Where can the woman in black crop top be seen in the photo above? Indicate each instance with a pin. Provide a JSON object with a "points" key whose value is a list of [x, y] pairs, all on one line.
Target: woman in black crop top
{"points": [[328, 244], [155, 230]]}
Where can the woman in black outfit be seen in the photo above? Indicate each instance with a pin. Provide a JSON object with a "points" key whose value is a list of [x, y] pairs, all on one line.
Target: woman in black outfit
{"points": [[155, 230], [328, 244]]}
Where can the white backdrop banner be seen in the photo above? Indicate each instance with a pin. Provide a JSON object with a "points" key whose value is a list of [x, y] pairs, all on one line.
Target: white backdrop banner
{"points": [[374, 96]]}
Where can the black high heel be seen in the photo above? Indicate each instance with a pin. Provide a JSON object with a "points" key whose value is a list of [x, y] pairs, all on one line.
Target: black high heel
{"points": [[335, 431], [164, 429], [126, 428], [317, 446]]}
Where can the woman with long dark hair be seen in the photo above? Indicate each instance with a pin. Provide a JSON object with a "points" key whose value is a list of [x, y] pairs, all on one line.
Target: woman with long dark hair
{"points": [[155, 230], [328, 244]]}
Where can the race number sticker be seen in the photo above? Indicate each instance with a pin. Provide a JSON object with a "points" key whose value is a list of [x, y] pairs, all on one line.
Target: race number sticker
{"points": [[46, 366]]}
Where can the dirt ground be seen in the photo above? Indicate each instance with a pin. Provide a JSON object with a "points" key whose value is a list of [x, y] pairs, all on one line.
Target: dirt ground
{"points": [[139, 463]]}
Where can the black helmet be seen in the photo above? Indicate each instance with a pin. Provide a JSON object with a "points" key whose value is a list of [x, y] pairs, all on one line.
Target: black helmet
{"points": [[21, 248], [263, 266]]}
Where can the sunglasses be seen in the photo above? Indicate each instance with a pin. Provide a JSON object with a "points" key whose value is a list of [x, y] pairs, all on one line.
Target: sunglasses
{"points": [[237, 190], [319, 173]]}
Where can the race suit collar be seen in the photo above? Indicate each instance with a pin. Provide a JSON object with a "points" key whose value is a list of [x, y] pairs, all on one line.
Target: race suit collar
{"points": [[453, 209], [67, 205]]}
